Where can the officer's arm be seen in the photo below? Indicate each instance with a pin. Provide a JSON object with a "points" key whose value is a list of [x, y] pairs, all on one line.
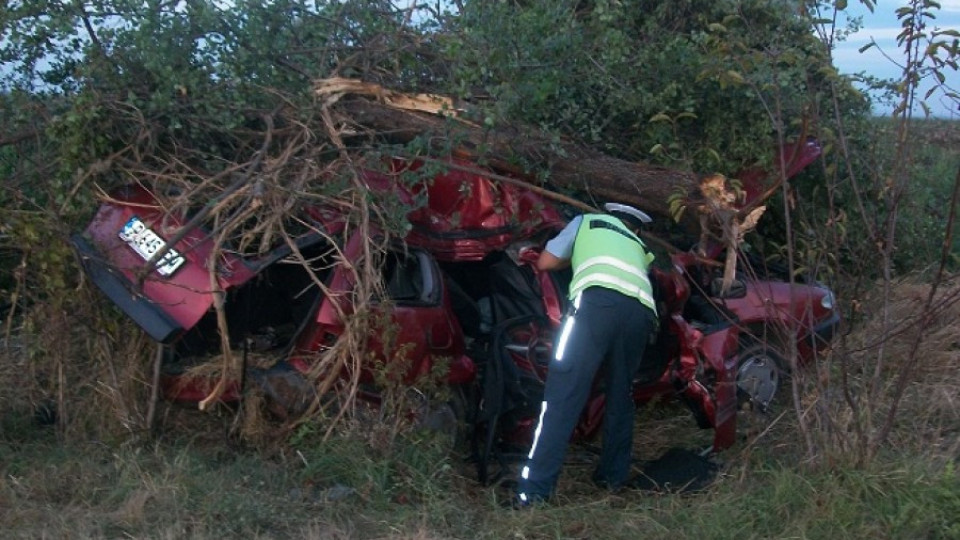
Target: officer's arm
{"points": [[559, 250], [549, 261]]}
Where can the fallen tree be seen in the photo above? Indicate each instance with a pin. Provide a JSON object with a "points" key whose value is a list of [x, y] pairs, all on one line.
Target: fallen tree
{"points": [[361, 109], [357, 109]]}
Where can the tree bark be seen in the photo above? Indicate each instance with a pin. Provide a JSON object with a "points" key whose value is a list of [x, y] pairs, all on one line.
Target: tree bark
{"points": [[523, 153]]}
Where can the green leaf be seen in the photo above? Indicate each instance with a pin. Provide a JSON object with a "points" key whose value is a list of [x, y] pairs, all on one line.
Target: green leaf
{"points": [[735, 76]]}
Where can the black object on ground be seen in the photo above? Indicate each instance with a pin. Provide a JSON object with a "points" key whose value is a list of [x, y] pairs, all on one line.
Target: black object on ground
{"points": [[678, 471]]}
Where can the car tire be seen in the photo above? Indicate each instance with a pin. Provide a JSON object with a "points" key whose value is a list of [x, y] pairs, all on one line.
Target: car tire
{"points": [[450, 419], [761, 374]]}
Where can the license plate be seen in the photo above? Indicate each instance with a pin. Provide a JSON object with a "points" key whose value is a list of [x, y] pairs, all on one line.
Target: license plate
{"points": [[147, 243]]}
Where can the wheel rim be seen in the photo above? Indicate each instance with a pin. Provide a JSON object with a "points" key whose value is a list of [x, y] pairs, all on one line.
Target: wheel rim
{"points": [[759, 378], [528, 344]]}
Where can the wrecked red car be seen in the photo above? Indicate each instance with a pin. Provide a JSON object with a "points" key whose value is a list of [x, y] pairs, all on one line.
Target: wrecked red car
{"points": [[464, 295]]}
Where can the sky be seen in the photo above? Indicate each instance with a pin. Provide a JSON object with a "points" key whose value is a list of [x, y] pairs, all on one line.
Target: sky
{"points": [[883, 26]]}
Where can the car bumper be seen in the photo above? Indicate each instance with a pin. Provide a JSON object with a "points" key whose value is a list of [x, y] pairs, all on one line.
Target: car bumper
{"points": [[160, 326], [826, 330]]}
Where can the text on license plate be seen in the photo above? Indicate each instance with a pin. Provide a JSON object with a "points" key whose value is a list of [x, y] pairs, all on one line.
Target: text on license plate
{"points": [[147, 243]]}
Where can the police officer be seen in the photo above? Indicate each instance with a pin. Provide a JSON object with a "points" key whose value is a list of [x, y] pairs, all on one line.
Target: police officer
{"points": [[612, 315]]}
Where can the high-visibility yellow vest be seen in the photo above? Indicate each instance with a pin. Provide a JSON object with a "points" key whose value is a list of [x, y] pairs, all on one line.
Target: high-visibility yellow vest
{"points": [[607, 254]]}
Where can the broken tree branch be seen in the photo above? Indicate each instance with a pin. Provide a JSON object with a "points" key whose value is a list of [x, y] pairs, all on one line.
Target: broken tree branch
{"points": [[378, 113]]}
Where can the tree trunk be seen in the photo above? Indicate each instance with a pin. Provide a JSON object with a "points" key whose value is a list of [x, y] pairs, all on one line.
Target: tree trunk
{"points": [[522, 153]]}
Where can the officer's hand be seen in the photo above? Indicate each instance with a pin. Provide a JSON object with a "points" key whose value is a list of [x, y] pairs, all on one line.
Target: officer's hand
{"points": [[529, 254]]}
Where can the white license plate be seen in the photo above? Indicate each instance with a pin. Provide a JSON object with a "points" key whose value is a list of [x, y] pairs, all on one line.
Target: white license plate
{"points": [[147, 243]]}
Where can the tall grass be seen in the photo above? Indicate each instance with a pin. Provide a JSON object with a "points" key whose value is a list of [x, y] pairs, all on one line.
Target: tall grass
{"points": [[199, 483]]}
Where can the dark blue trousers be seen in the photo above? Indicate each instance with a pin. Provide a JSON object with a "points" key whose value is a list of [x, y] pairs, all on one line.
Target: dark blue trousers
{"points": [[607, 327]]}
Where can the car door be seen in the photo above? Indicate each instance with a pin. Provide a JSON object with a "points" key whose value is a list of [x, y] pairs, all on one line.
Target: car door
{"points": [[413, 323]]}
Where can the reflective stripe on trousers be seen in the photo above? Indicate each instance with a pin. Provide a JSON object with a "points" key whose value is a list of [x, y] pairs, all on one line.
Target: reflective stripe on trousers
{"points": [[608, 325], [565, 334]]}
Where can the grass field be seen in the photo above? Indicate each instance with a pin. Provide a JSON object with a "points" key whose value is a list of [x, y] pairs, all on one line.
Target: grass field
{"points": [[205, 487]]}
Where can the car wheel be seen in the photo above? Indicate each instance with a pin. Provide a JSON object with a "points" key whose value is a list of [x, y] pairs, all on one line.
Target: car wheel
{"points": [[449, 419], [760, 376]]}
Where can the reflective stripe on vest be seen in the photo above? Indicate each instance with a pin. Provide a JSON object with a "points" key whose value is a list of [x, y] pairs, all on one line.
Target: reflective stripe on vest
{"points": [[606, 254]]}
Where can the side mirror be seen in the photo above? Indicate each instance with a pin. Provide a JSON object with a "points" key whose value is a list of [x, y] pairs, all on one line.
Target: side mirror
{"points": [[738, 289]]}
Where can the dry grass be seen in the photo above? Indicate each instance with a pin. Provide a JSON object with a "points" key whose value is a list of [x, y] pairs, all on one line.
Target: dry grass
{"points": [[95, 381], [931, 408], [341, 488], [201, 480], [928, 417]]}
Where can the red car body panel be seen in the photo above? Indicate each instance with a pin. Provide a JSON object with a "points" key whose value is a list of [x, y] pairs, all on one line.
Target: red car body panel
{"points": [[788, 307], [466, 216], [426, 332], [467, 219], [792, 159], [184, 296]]}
